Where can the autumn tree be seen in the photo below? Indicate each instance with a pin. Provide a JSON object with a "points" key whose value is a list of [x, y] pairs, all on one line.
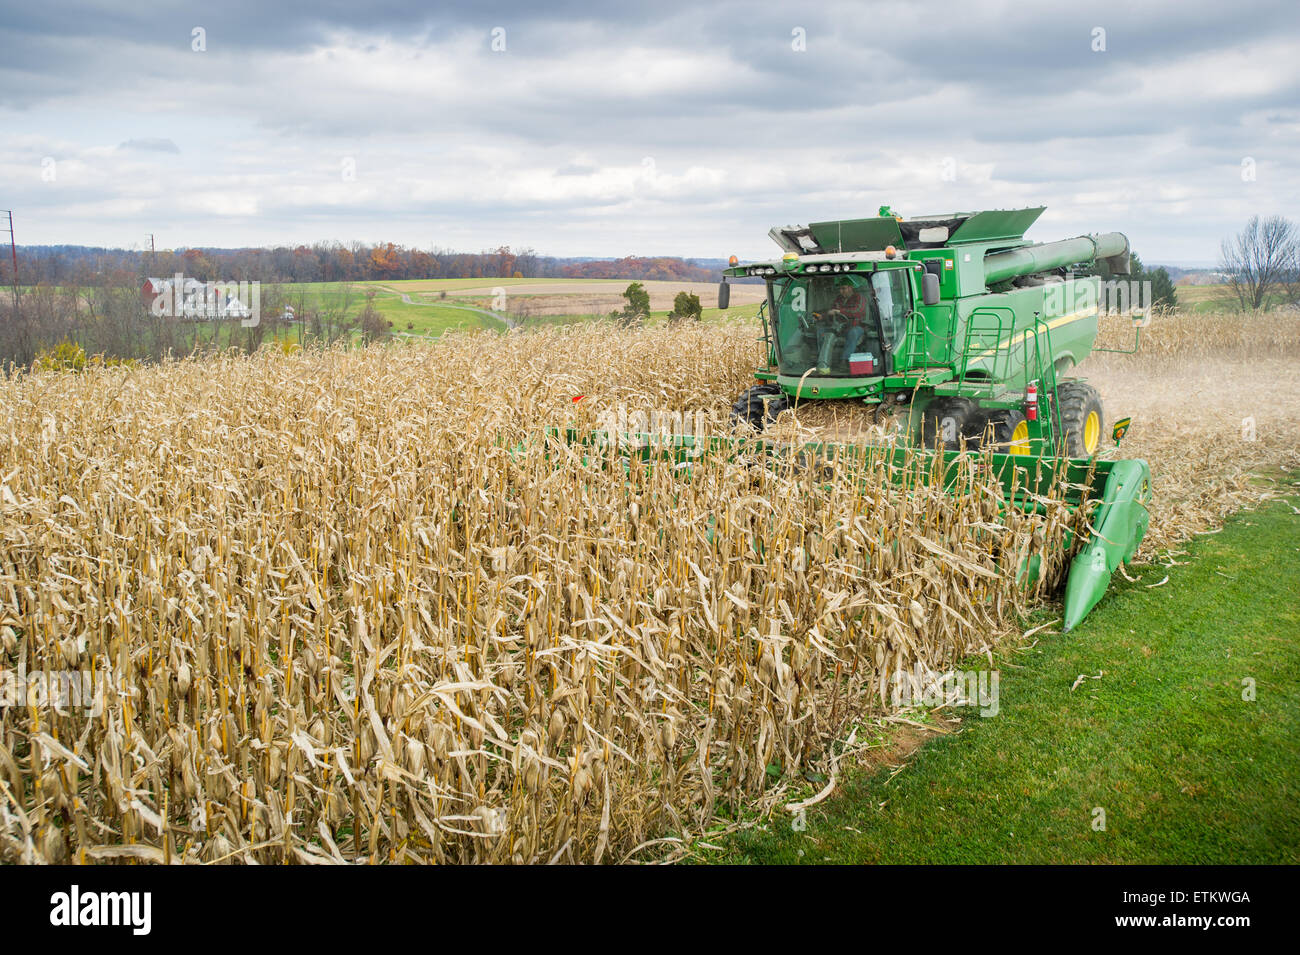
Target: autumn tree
{"points": [[505, 262], [386, 261], [197, 265]]}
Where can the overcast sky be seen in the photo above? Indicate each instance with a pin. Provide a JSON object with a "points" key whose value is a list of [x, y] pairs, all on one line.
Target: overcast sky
{"points": [[641, 128]]}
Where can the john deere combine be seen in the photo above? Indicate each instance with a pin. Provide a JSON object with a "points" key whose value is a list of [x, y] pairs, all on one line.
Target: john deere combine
{"points": [[963, 332], [959, 333], [954, 320]]}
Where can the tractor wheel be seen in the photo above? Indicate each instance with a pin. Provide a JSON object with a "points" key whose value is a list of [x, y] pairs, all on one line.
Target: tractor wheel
{"points": [[1010, 432], [1081, 418], [947, 421], [759, 405]]}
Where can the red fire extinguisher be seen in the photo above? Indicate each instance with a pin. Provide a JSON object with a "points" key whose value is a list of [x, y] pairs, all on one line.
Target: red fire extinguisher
{"points": [[1031, 402]]}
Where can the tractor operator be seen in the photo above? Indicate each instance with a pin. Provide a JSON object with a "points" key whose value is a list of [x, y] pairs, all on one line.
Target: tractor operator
{"points": [[850, 308]]}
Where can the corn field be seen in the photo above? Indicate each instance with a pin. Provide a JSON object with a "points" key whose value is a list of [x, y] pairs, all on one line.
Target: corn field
{"points": [[350, 606]]}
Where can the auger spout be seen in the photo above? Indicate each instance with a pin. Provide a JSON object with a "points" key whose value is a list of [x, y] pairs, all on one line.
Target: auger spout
{"points": [[1026, 260]]}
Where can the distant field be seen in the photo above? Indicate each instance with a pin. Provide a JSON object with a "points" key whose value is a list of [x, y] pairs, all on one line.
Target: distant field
{"points": [[431, 285], [1201, 297], [429, 312], [568, 300], [432, 319], [420, 319], [438, 305], [1211, 298], [587, 297]]}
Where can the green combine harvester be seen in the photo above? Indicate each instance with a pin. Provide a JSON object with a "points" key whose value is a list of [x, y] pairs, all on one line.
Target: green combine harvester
{"points": [[955, 320], [963, 333], [959, 334]]}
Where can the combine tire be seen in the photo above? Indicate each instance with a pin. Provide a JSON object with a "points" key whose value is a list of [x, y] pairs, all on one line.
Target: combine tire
{"points": [[1010, 432], [947, 421], [759, 405], [1081, 418]]}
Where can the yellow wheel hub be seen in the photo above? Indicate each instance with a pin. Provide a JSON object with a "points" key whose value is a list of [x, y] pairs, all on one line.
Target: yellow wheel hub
{"points": [[1091, 432], [1020, 439]]}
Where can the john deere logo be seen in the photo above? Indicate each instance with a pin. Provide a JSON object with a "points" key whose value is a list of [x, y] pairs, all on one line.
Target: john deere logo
{"points": [[1120, 429]]}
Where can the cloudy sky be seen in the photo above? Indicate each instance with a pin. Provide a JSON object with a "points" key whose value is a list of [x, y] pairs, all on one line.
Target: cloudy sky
{"points": [[657, 128]]}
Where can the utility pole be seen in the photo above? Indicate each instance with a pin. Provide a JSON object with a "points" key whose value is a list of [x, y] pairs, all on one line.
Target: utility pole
{"points": [[153, 255], [13, 252]]}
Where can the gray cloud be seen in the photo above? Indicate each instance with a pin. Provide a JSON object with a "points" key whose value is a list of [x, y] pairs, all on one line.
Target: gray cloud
{"points": [[664, 128]]}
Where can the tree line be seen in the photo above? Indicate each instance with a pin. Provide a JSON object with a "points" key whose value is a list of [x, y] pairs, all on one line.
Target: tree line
{"points": [[327, 262], [77, 302]]}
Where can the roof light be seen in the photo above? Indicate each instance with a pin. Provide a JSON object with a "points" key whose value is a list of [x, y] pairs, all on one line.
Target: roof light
{"points": [[890, 252], [733, 261]]}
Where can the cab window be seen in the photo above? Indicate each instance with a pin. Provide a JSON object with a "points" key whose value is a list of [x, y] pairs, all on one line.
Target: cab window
{"points": [[894, 296]]}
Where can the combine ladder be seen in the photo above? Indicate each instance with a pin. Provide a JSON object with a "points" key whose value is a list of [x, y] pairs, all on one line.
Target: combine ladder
{"points": [[992, 346]]}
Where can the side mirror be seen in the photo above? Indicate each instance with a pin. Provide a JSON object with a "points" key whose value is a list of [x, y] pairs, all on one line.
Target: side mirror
{"points": [[724, 295], [930, 289]]}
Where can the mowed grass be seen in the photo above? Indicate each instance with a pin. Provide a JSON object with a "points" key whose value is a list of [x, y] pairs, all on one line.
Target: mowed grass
{"points": [[431, 320], [1186, 770], [411, 318]]}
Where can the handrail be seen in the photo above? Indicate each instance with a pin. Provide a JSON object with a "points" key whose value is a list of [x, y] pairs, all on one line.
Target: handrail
{"points": [[1003, 333]]}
